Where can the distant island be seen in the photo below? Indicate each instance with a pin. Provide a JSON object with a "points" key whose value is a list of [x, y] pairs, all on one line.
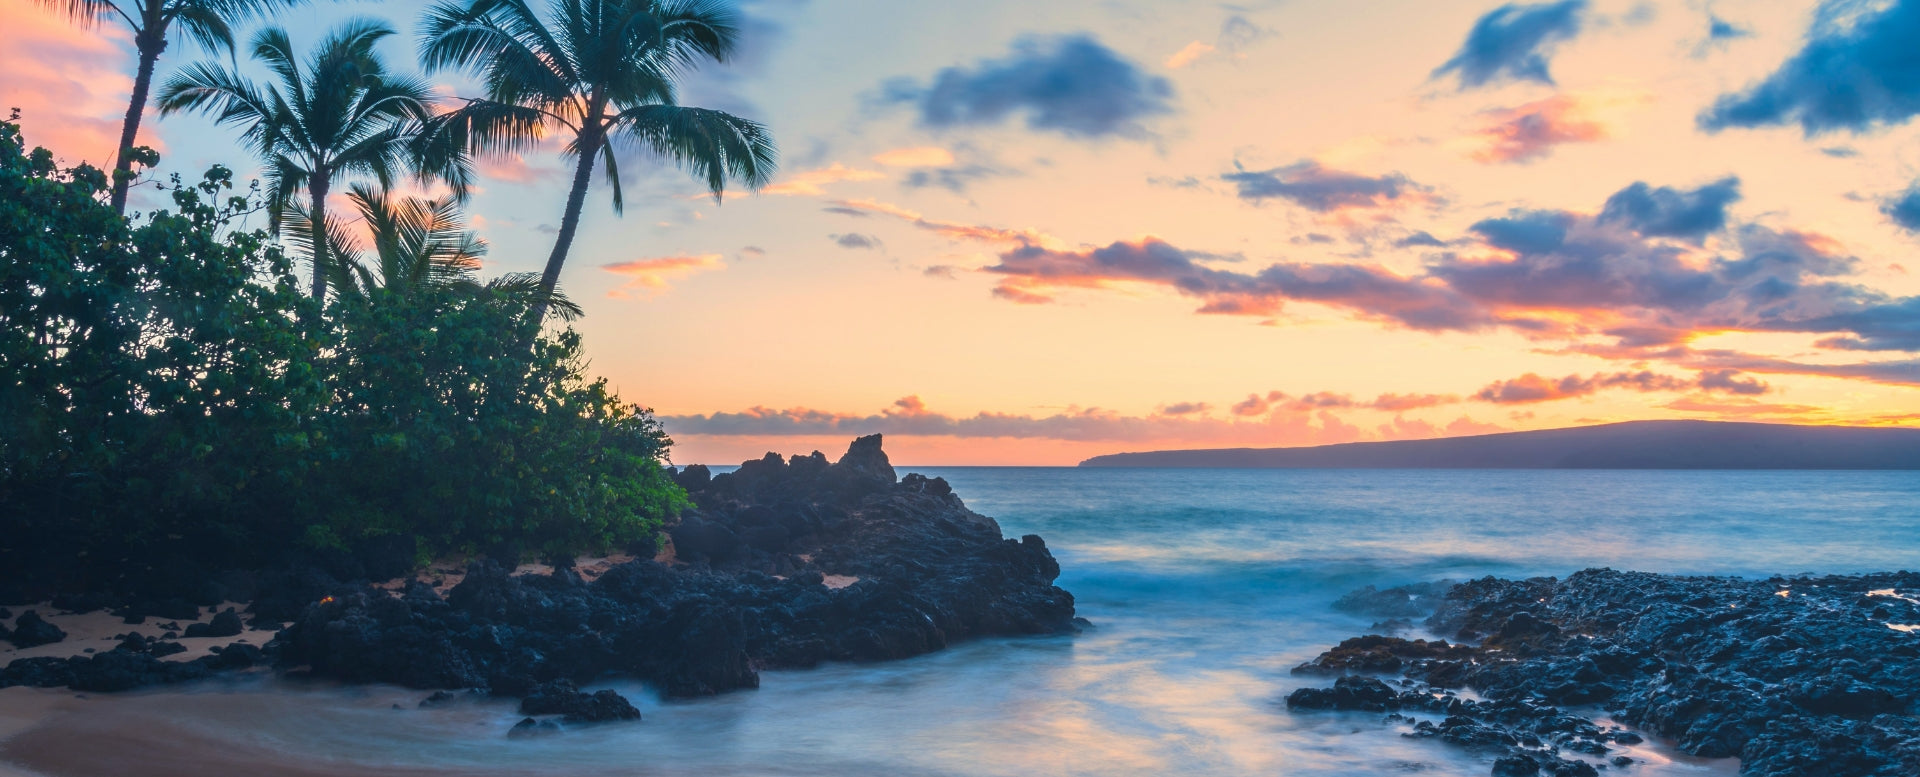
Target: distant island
{"points": [[1629, 445]]}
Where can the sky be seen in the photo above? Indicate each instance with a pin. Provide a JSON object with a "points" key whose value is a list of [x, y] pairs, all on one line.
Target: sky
{"points": [[1029, 233]]}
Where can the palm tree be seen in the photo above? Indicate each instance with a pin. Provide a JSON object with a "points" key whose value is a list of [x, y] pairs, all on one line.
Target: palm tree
{"points": [[345, 115], [206, 22], [420, 247], [603, 70]]}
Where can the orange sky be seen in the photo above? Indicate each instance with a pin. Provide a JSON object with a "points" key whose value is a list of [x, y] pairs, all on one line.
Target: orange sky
{"points": [[1009, 233]]}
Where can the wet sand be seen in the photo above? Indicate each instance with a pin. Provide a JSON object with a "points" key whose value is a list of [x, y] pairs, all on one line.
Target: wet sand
{"points": [[192, 732], [27, 715], [22, 709]]}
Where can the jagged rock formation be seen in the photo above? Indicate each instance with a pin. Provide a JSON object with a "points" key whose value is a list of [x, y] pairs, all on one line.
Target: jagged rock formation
{"points": [[748, 592], [1795, 676]]}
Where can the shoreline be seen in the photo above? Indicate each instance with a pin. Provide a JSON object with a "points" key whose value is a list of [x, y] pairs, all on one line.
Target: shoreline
{"points": [[23, 710], [1489, 607]]}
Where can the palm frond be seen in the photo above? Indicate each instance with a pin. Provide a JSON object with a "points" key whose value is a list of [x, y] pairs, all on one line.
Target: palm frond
{"points": [[206, 26], [611, 161], [487, 127], [694, 31], [285, 180], [420, 245], [241, 10], [524, 289], [206, 87], [274, 49], [710, 144], [604, 69], [85, 13], [343, 254]]}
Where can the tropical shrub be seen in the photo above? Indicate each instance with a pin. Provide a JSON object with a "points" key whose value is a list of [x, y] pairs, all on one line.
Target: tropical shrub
{"points": [[168, 396]]}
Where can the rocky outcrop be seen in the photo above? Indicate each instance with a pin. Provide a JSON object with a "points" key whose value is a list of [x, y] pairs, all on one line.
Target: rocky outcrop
{"points": [[226, 623], [747, 592], [562, 698], [1795, 676], [30, 630]]}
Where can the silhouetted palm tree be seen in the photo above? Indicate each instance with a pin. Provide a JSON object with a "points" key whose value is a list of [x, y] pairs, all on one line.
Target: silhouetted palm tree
{"points": [[604, 70], [206, 22], [345, 115], [420, 246]]}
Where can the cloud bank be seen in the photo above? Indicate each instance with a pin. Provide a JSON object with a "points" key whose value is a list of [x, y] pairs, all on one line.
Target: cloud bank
{"points": [[1285, 424], [1531, 387], [1655, 268]]}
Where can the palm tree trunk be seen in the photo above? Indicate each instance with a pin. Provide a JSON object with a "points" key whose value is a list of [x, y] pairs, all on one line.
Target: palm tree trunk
{"points": [[569, 224], [317, 194], [150, 44]]}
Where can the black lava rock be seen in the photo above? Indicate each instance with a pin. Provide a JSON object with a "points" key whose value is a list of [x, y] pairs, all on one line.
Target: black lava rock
{"points": [[1347, 693], [159, 649], [562, 698], [531, 727], [225, 624], [1515, 766], [444, 698], [748, 593], [1795, 676], [32, 631]]}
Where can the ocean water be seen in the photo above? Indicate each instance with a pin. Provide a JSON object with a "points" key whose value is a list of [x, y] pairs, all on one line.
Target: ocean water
{"points": [[1205, 587]]}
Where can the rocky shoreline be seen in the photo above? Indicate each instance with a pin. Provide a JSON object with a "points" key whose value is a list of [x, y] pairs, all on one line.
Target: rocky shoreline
{"points": [[1796, 677], [744, 587]]}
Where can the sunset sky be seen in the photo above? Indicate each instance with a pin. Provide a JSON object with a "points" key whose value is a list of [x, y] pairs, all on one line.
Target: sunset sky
{"points": [[1029, 233]]}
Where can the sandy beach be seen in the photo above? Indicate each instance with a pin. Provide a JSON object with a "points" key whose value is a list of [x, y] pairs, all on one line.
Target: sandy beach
{"points": [[23, 710], [100, 631]]}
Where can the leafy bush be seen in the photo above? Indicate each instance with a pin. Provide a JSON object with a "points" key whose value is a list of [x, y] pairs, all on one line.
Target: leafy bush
{"points": [[168, 397], [459, 438]]}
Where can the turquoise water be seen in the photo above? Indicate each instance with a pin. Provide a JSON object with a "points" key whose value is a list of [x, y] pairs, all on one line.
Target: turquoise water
{"points": [[1205, 588]]}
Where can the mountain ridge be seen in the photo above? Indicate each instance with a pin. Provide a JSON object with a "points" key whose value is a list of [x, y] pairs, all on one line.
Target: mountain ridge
{"points": [[1624, 445]]}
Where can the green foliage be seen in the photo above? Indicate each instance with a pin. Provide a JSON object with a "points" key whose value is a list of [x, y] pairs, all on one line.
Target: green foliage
{"points": [[166, 392], [467, 442], [145, 369]]}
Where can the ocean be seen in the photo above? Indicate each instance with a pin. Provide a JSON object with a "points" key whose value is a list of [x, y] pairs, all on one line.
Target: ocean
{"points": [[1204, 587]]}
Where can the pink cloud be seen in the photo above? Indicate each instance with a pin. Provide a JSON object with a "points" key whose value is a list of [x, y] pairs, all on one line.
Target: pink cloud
{"points": [[70, 84], [1191, 53], [1531, 387], [1531, 131], [649, 277], [811, 182], [952, 230]]}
